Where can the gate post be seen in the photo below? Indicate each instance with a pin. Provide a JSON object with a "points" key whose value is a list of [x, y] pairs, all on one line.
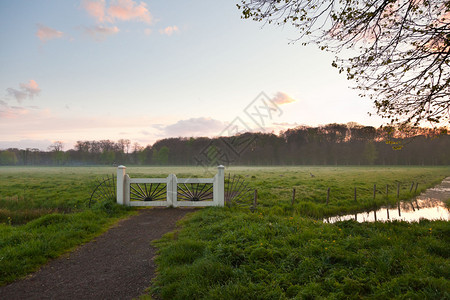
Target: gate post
{"points": [[171, 188], [126, 190], [121, 172], [219, 187]]}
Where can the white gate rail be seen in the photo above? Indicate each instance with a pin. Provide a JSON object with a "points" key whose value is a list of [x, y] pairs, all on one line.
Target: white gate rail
{"points": [[124, 181]]}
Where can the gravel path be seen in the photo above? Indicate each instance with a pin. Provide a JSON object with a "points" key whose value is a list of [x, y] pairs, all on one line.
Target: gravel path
{"points": [[116, 265]]}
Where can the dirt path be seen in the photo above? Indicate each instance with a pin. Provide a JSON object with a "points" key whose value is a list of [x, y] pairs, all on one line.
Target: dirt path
{"points": [[116, 265]]}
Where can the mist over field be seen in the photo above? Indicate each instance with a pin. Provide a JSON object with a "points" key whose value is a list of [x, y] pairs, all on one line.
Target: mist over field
{"points": [[333, 144]]}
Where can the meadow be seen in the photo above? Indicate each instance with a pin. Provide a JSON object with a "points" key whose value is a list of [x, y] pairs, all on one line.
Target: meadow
{"points": [[277, 251]]}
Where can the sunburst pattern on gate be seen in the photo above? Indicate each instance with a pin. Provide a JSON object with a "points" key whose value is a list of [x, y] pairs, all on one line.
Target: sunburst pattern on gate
{"points": [[195, 192], [105, 190], [148, 191], [237, 191]]}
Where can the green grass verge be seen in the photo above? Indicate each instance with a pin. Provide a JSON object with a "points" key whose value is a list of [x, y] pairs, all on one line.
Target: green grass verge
{"points": [[23, 249], [43, 214], [235, 254]]}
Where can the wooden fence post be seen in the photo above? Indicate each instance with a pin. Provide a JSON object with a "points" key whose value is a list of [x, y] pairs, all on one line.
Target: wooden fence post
{"points": [[387, 200], [417, 204], [328, 195], [412, 185], [374, 191], [415, 190], [355, 195]]}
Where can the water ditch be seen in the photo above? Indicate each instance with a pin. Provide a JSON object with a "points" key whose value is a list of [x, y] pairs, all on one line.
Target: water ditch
{"points": [[429, 205]]}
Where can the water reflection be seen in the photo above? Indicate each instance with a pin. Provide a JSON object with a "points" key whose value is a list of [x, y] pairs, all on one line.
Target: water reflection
{"points": [[428, 205]]}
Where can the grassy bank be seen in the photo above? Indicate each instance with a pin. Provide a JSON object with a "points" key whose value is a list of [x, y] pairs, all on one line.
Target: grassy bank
{"points": [[230, 254], [24, 248]]}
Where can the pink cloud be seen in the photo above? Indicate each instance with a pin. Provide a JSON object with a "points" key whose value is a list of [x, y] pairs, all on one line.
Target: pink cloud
{"points": [[45, 33], [169, 30], [11, 112], [129, 10], [192, 127], [26, 90], [101, 32], [282, 98], [17, 94], [31, 88], [95, 9], [31, 124]]}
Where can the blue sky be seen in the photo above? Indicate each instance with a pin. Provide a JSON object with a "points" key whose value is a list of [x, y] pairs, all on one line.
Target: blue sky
{"points": [[146, 70]]}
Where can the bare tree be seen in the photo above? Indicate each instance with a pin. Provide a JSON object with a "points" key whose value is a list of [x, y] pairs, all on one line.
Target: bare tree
{"points": [[56, 146], [402, 60], [137, 147], [124, 145]]}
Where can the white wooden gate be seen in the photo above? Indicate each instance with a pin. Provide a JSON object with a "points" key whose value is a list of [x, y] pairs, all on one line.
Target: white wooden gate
{"points": [[177, 192]]}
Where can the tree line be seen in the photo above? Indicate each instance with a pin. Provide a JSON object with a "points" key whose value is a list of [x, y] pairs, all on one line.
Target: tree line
{"points": [[332, 144]]}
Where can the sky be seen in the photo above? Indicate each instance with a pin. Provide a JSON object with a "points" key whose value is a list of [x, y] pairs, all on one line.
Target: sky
{"points": [[148, 70]]}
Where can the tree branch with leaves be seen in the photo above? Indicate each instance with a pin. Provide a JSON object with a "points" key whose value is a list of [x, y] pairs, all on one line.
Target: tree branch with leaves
{"points": [[402, 60]]}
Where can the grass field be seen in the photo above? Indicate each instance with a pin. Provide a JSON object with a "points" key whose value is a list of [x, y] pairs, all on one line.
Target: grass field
{"points": [[275, 185], [279, 251], [27, 193]]}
